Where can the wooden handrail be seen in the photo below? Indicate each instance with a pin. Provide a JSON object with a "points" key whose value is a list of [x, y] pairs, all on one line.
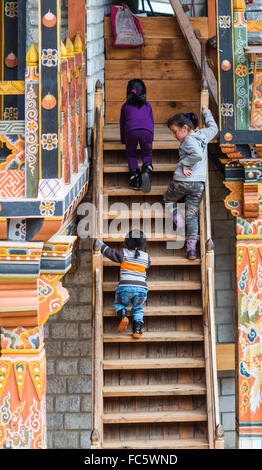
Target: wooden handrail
{"points": [[97, 270], [215, 429]]}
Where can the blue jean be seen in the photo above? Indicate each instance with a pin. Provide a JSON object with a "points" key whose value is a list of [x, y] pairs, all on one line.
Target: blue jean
{"points": [[134, 294]]}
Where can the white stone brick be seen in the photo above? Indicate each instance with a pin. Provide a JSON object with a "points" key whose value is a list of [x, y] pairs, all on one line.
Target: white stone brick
{"points": [[227, 404], [228, 386]]}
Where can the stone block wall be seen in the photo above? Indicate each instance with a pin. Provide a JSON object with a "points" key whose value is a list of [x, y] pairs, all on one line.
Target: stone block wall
{"points": [[223, 233]]}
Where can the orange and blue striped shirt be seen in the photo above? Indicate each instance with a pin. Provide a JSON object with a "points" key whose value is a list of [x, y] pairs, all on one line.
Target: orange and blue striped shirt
{"points": [[132, 269]]}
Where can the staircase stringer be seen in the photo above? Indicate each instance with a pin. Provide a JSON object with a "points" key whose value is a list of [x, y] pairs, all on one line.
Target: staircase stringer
{"points": [[97, 275]]}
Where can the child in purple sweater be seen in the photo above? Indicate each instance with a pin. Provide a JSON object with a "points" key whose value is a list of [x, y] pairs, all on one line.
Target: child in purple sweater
{"points": [[137, 126]]}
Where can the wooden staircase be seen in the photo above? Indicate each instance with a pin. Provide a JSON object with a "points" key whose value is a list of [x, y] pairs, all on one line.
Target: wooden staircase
{"points": [[158, 392]]}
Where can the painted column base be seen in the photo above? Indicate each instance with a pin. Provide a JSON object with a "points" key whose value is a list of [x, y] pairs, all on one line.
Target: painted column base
{"points": [[249, 442]]}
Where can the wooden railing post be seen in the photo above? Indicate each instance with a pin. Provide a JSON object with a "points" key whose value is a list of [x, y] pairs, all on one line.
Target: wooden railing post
{"points": [[72, 103], [97, 270], [215, 429], [65, 116], [79, 96]]}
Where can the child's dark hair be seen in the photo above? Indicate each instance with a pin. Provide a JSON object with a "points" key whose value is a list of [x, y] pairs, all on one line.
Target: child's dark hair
{"points": [[135, 240], [136, 93], [184, 119]]}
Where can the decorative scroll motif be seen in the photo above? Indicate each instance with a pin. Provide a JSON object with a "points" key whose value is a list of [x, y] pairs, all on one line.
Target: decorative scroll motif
{"points": [[52, 296], [256, 105], [21, 338], [241, 71], [32, 129], [249, 289], [22, 405]]}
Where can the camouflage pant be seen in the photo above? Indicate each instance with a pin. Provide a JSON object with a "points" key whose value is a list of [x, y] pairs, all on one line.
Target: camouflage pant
{"points": [[191, 193]]}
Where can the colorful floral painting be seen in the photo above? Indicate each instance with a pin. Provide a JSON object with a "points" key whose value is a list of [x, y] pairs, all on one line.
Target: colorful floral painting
{"points": [[49, 57], [241, 70], [224, 21], [47, 208], [11, 9], [10, 114], [49, 141], [227, 109]]}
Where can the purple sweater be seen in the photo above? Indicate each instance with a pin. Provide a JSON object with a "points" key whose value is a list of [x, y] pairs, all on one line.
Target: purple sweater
{"points": [[132, 118]]}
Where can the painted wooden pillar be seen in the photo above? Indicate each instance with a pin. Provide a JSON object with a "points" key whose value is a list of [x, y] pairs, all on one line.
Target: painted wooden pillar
{"points": [[79, 97], [49, 94], [72, 102], [241, 65], [66, 154], [77, 27], [32, 124], [225, 67], [248, 263], [9, 30], [29, 293]]}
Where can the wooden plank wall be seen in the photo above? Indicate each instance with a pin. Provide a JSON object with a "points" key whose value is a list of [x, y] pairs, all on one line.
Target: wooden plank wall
{"points": [[164, 63]]}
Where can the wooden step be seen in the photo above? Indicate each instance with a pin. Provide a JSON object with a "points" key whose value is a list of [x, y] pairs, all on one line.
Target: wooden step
{"points": [[126, 191], [151, 237], [109, 286], [157, 145], [123, 168], [146, 214], [153, 390], [154, 336], [154, 363], [162, 261], [162, 310], [156, 417], [157, 444]]}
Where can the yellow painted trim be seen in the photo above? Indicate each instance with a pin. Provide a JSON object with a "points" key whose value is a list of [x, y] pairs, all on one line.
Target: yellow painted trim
{"points": [[3, 50], [218, 69], [59, 87], [249, 237], [233, 49], [12, 87], [40, 88], [22, 351]]}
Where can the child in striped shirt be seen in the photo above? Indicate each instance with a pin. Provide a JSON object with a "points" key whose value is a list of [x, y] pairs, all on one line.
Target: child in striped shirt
{"points": [[132, 287]]}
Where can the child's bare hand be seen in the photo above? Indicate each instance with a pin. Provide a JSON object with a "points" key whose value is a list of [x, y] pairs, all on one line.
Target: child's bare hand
{"points": [[187, 172], [204, 107]]}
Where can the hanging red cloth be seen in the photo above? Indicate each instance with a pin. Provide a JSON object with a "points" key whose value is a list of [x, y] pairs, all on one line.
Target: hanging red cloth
{"points": [[126, 28]]}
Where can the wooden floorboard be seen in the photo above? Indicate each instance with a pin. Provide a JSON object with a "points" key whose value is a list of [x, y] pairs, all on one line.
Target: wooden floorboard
{"points": [[154, 336]]}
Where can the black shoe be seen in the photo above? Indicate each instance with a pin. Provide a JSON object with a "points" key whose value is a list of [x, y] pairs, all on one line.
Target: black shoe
{"points": [[135, 179], [137, 329], [123, 320], [146, 177]]}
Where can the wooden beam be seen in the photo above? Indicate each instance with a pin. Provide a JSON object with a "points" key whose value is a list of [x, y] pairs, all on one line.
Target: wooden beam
{"points": [[194, 46], [76, 19], [225, 356]]}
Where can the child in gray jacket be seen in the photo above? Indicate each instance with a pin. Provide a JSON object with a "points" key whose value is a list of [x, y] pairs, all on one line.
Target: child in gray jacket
{"points": [[190, 173]]}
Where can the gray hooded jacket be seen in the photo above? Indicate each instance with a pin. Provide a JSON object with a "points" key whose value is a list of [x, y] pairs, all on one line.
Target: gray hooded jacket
{"points": [[193, 151]]}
